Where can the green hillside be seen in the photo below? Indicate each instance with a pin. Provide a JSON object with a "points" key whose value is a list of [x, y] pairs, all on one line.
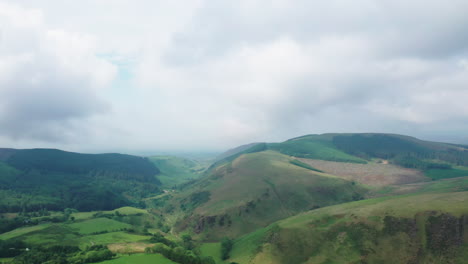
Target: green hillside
{"points": [[429, 228], [256, 189], [36, 179]]}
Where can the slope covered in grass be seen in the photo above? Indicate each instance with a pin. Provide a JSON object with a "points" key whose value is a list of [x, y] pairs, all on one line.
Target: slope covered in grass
{"points": [[256, 189], [429, 228]]}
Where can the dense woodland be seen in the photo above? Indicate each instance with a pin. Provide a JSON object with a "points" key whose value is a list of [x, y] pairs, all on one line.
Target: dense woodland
{"points": [[54, 180]]}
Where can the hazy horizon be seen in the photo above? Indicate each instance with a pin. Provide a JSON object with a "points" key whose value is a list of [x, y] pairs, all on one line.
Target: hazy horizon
{"points": [[206, 76]]}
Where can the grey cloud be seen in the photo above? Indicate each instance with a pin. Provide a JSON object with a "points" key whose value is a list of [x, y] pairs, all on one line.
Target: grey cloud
{"points": [[45, 85]]}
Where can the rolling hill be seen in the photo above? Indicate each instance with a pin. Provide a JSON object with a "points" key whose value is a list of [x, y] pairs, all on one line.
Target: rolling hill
{"points": [[256, 189], [52, 179], [257, 184], [427, 227]]}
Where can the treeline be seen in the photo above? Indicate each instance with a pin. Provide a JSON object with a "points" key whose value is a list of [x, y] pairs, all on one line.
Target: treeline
{"points": [[182, 253], [63, 254], [55, 180], [415, 163], [52, 160]]}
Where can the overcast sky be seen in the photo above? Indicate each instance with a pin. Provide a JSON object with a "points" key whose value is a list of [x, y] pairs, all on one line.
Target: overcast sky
{"points": [[149, 75]]}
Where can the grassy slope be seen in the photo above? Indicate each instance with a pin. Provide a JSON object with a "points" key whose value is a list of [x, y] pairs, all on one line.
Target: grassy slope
{"points": [[344, 233], [314, 147], [257, 189]]}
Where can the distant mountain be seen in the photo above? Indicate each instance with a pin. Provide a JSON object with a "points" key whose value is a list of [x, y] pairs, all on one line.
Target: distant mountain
{"points": [[53, 179]]}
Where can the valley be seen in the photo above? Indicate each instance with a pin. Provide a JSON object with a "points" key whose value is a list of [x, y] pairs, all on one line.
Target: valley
{"points": [[330, 198]]}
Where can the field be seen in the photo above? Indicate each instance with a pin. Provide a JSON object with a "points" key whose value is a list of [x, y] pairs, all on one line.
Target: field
{"points": [[84, 231], [213, 250], [22, 231], [140, 259], [127, 210], [98, 225], [109, 238]]}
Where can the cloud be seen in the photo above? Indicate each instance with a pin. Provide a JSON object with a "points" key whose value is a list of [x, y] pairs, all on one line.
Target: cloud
{"points": [[213, 74], [49, 78]]}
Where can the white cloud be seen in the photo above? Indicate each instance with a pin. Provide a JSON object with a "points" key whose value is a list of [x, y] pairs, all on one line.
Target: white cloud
{"points": [[48, 77], [213, 74]]}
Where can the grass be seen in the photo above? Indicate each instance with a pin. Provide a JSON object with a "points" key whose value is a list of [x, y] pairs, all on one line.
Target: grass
{"points": [[140, 259], [212, 250], [303, 165], [257, 189], [127, 210], [22, 231], [313, 148], [98, 225], [336, 234], [109, 238], [5, 260]]}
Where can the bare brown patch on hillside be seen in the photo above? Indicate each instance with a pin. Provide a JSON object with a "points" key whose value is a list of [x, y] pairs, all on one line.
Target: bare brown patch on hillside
{"points": [[372, 174], [125, 248]]}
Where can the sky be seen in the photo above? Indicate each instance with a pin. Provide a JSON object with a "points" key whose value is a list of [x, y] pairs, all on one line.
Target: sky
{"points": [[207, 75]]}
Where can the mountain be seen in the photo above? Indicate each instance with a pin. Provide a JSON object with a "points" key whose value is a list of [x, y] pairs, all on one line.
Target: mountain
{"points": [[261, 183], [34, 179], [256, 189]]}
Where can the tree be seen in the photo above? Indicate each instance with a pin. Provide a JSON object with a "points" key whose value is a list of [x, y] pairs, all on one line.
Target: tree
{"points": [[226, 246]]}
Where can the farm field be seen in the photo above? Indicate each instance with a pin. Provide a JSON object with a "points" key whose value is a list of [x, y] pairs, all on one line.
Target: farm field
{"points": [[98, 225], [140, 259], [23, 230]]}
